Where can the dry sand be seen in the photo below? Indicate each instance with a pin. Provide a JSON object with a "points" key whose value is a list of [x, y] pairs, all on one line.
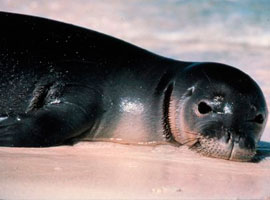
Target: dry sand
{"points": [[230, 32], [114, 171]]}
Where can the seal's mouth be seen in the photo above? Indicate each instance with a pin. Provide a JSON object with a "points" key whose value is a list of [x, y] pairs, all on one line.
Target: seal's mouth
{"points": [[230, 150]]}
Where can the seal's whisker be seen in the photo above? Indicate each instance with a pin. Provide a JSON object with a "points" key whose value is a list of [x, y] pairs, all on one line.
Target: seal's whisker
{"points": [[196, 146], [208, 78], [188, 132], [199, 150], [190, 140]]}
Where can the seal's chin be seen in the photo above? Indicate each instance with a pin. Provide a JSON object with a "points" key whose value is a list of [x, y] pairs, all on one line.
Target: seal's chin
{"points": [[213, 147]]}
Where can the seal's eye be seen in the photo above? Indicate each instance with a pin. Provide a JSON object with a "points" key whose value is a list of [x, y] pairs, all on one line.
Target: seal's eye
{"points": [[258, 119], [204, 108]]}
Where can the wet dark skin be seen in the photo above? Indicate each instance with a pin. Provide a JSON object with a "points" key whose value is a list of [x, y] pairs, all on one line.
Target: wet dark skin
{"points": [[60, 84]]}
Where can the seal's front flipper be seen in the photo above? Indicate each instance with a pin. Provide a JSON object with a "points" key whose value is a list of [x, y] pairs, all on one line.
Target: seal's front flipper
{"points": [[58, 121], [16, 131]]}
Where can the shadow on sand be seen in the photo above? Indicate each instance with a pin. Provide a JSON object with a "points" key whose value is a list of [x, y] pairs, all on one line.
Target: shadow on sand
{"points": [[263, 151]]}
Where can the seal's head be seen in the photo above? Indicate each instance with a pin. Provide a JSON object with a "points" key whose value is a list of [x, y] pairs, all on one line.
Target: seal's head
{"points": [[222, 113]]}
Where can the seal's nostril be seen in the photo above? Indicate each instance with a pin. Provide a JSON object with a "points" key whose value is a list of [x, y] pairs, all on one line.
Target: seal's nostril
{"points": [[204, 108], [259, 119]]}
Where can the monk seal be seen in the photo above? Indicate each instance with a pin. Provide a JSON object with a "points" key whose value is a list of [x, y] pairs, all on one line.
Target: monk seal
{"points": [[61, 84]]}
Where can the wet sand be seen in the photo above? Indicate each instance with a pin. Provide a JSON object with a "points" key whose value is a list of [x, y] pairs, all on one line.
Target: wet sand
{"points": [[192, 31]]}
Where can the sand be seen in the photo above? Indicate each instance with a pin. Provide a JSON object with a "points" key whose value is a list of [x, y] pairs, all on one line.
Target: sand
{"points": [[235, 33], [114, 171]]}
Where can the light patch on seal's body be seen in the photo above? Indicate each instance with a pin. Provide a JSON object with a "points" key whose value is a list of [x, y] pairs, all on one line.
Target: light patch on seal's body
{"points": [[228, 109], [129, 105], [3, 118], [131, 126]]}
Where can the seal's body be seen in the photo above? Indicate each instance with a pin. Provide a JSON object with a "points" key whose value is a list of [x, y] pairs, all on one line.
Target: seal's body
{"points": [[60, 84]]}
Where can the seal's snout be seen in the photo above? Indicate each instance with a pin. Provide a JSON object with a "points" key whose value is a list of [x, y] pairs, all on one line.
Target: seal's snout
{"points": [[225, 133], [243, 147], [227, 143], [244, 141], [227, 137]]}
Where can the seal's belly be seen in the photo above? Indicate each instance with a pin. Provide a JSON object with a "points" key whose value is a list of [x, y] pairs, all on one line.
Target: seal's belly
{"points": [[130, 129], [128, 125]]}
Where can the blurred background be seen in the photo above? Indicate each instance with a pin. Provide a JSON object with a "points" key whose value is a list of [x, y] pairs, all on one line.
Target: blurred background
{"points": [[232, 32]]}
